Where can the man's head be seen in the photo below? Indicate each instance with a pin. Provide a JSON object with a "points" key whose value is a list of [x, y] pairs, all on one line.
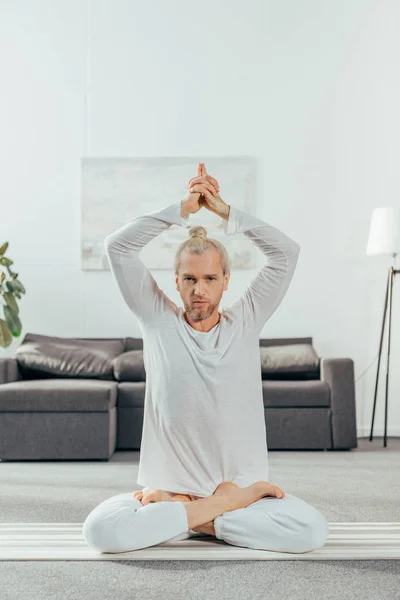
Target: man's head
{"points": [[202, 272]]}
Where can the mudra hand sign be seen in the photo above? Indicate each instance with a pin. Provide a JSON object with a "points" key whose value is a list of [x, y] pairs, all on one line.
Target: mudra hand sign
{"points": [[206, 190]]}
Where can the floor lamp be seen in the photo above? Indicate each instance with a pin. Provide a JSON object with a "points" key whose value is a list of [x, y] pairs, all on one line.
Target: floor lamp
{"points": [[384, 238]]}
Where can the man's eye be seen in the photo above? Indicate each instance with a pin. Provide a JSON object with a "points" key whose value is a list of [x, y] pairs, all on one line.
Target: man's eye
{"points": [[192, 278]]}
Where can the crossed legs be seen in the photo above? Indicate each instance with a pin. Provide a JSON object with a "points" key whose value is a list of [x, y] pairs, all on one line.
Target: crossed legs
{"points": [[289, 524]]}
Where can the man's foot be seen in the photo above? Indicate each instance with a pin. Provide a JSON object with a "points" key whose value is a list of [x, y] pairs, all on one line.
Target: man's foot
{"points": [[158, 495], [238, 497]]}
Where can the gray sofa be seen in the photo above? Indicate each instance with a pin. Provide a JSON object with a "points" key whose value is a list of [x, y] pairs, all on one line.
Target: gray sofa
{"points": [[83, 398]]}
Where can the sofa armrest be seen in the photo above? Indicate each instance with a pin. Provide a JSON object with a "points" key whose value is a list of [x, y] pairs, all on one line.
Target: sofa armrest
{"points": [[338, 373], [9, 370]]}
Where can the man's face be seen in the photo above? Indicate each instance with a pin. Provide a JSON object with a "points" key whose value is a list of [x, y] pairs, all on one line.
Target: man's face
{"points": [[201, 278]]}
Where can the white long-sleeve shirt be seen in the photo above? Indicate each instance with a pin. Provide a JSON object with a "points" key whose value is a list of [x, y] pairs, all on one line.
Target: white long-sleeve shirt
{"points": [[203, 410]]}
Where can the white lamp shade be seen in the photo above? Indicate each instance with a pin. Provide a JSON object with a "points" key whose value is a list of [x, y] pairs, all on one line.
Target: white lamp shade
{"points": [[384, 231]]}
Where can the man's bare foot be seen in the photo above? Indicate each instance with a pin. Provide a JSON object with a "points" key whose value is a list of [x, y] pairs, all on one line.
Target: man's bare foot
{"points": [[238, 497], [158, 495], [155, 495]]}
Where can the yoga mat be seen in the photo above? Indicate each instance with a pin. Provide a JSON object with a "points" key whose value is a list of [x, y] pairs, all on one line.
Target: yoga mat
{"points": [[64, 541]]}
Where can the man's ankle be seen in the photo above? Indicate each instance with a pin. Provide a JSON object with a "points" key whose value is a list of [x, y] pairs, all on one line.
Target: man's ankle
{"points": [[206, 528]]}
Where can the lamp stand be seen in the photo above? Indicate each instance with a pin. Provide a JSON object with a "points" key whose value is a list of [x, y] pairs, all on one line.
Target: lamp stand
{"points": [[388, 299]]}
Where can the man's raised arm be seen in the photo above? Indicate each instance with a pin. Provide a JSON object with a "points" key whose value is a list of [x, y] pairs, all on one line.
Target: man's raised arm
{"points": [[136, 284], [268, 288]]}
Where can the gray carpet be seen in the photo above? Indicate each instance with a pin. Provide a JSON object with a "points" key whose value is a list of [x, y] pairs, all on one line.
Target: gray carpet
{"points": [[361, 485]]}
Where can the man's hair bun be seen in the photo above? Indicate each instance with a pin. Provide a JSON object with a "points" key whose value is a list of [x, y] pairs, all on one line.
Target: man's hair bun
{"points": [[198, 231]]}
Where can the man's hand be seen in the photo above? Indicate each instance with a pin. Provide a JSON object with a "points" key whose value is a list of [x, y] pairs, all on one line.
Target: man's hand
{"points": [[200, 187], [203, 177], [212, 201]]}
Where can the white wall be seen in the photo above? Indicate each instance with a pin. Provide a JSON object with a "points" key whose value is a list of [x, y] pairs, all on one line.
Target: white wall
{"points": [[312, 89]]}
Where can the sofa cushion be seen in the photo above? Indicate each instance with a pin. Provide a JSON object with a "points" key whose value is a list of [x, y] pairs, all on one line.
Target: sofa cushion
{"points": [[129, 366], [58, 395], [46, 356], [289, 394], [291, 361]]}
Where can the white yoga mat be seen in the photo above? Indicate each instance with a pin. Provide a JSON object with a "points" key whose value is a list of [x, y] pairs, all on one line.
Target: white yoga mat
{"points": [[64, 541]]}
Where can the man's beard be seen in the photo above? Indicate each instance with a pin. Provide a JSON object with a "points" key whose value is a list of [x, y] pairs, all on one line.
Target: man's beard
{"points": [[199, 313]]}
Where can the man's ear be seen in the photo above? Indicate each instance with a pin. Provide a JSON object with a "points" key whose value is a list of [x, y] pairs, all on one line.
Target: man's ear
{"points": [[226, 281]]}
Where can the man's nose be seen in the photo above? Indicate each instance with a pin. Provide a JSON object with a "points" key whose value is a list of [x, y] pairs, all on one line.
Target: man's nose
{"points": [[199, 290]]}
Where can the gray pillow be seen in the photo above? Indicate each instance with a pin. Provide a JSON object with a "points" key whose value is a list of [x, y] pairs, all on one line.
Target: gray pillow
{"points": [[130, 366], [290, 361], [49, 356]]}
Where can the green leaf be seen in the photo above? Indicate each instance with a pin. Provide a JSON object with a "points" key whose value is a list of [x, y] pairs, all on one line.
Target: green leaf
{"points": [[15, 289], [5, 335], [18, 287], [6, 261], [11, 301], [13, 321], [3, 248]]}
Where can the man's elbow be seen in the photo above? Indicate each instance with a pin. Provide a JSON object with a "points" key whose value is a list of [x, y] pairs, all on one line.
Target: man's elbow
{"points": [[294, 249], [109, 242]]}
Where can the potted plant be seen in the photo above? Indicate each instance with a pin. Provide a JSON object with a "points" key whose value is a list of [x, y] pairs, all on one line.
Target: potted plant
{"points": [[10, 290]]}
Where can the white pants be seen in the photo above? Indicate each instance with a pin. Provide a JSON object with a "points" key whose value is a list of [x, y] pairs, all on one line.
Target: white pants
{"points": [[122, 524]]}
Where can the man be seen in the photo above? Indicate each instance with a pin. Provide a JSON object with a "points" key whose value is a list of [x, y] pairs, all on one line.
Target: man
{"points": [[203, 453]]}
